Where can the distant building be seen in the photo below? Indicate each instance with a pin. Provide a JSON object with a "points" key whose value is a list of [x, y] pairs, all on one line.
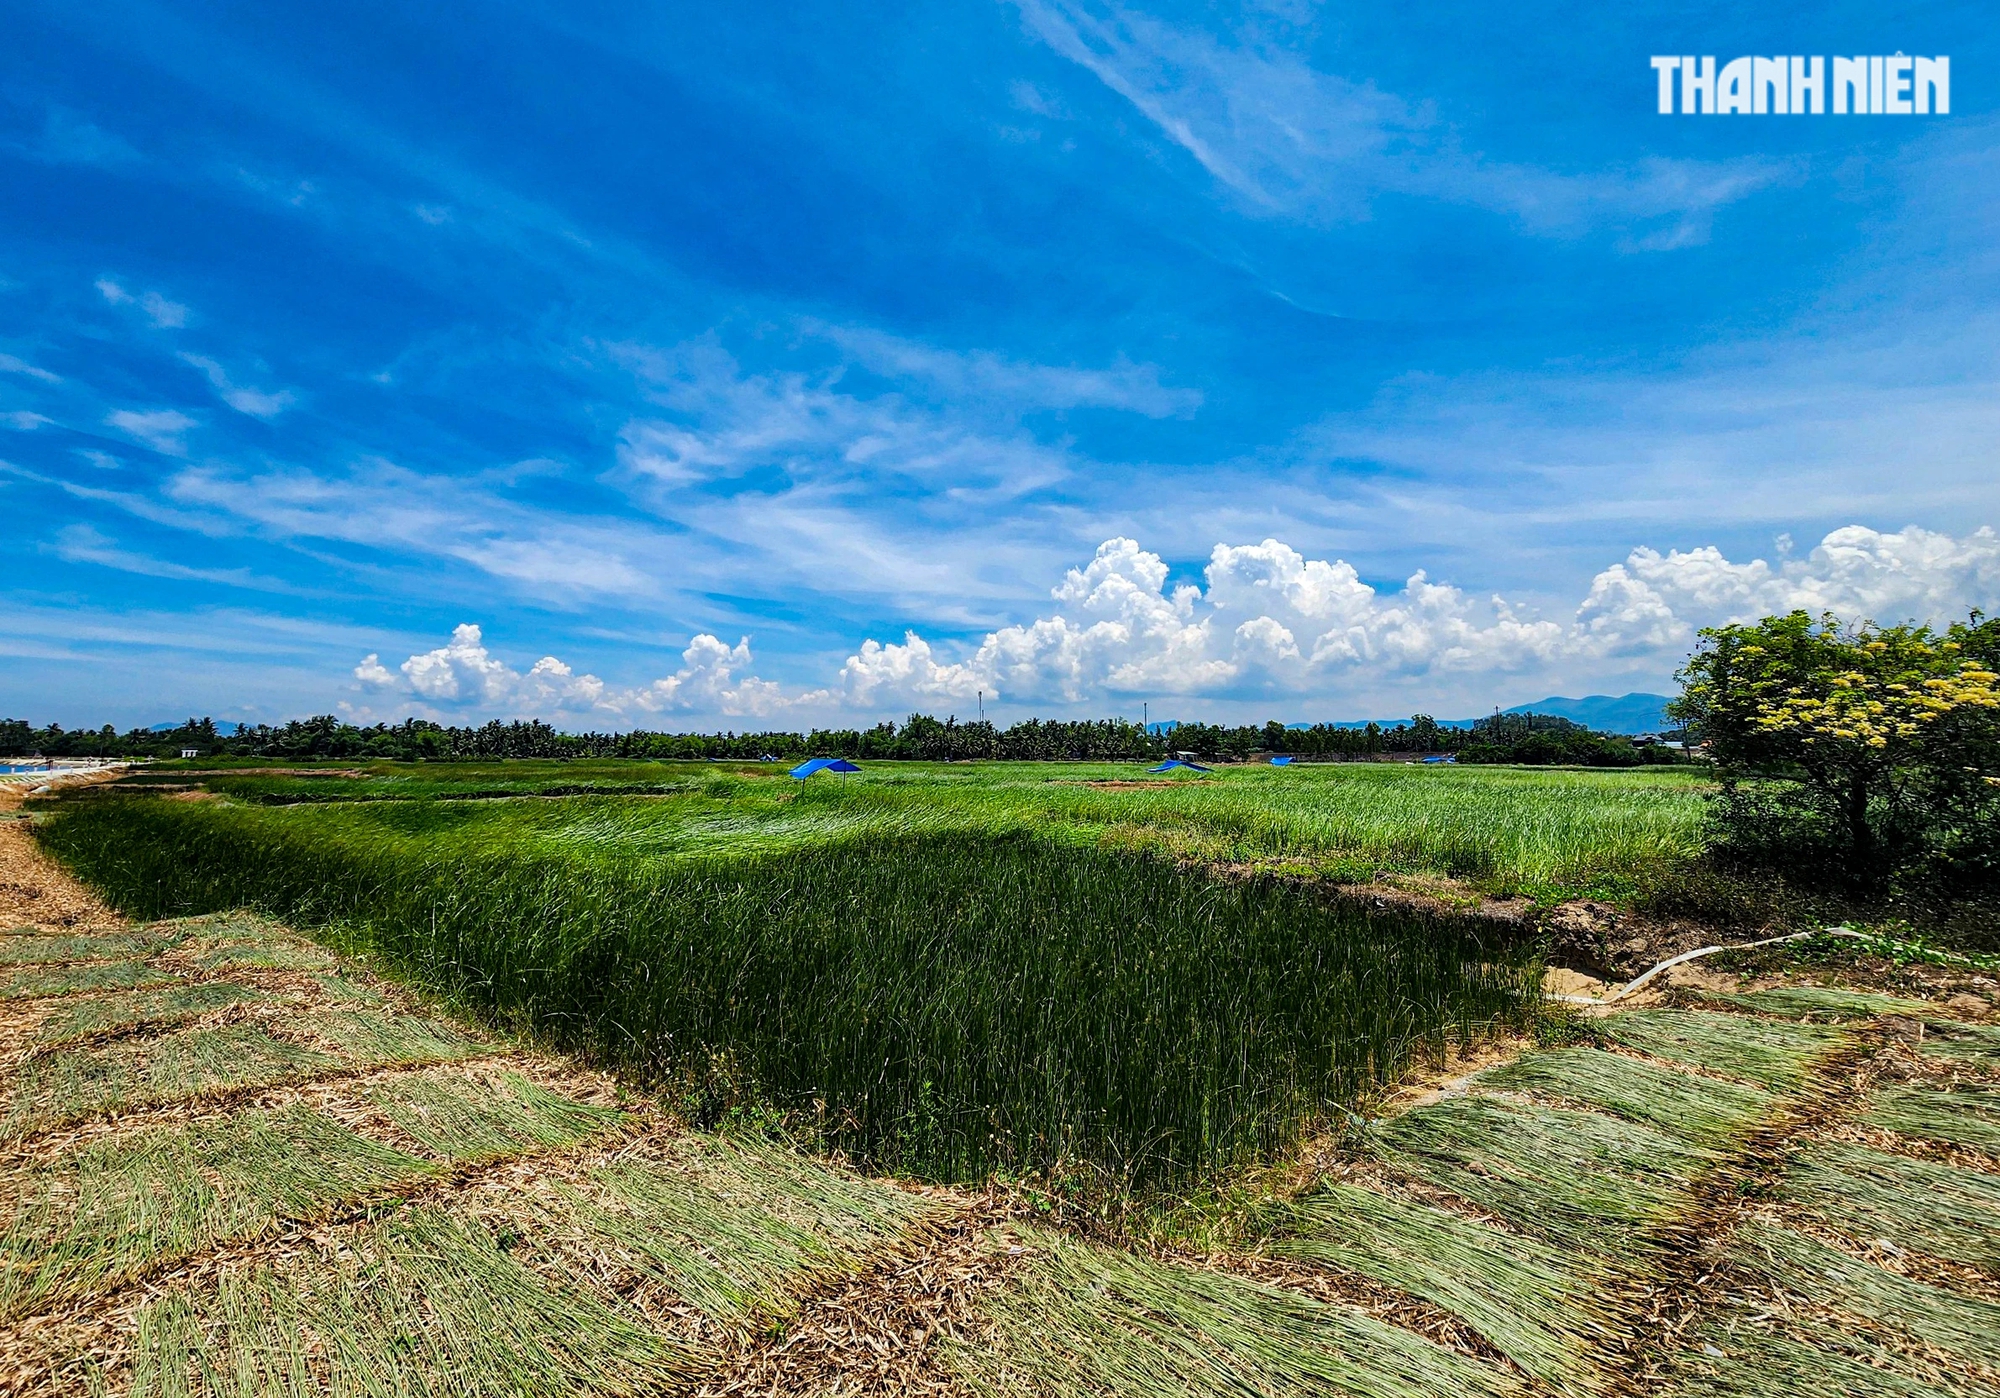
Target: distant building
{"points": [[190, 752]]}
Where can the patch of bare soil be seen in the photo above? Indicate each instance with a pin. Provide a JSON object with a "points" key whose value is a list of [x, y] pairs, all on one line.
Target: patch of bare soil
{"points": [[34, 890]]}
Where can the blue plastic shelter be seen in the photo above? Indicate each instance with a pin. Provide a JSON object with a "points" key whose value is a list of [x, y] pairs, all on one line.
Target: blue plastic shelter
{"points": [[824, 764], [1281, 762], [1173, 762]]}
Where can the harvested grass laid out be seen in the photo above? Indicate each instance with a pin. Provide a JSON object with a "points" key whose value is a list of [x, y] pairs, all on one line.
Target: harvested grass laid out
{"points": [[341, 989], [1702, 1111], [1823, 1003], [1967, 1116], [126, 1205], [736, 1229], [1084, 1320], [1752, 1363], [465, 1119], [1577, 1179], [77, 980], [422, 1304], [1964, 1329], [1975, 1045], [72, 1083], [1918, 1205], [1532, 1302], [290, 955], [387, 1037], [80, 1018], [1771, 1055], [31, 948]]}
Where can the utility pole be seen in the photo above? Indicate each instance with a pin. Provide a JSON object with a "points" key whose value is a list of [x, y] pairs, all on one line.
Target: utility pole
{"points": [[982, 706]]}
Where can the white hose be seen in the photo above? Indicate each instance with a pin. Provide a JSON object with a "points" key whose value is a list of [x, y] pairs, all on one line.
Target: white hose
{"points": [[1633, 985]]}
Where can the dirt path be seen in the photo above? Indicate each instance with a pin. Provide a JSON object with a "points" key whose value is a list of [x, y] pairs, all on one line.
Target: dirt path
{"points": [[34, 890]]}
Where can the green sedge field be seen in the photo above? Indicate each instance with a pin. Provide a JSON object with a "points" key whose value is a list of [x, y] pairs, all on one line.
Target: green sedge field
{"points": [[997, 1080]]}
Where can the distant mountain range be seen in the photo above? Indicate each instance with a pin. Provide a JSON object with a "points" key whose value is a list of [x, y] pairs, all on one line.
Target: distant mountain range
{"points": [[1624, 713], [1628, 713]]}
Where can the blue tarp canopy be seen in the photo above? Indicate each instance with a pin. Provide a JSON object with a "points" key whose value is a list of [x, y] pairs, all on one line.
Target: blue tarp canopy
{"points": [[1441, 757], [1173, 762], [823, 764], [1281, 762]]}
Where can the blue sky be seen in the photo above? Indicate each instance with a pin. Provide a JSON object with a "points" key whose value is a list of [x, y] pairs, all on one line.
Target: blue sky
{"points": [[737, 367]]}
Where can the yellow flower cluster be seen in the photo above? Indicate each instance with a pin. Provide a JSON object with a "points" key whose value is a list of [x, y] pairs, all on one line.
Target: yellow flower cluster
{"points": [[1874, 710]]}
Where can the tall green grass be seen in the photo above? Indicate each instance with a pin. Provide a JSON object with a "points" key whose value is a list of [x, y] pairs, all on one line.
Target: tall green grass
{"points": [[940, 1001], [1544, 832]]}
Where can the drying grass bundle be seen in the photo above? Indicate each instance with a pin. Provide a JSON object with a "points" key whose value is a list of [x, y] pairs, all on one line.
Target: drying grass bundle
{"points": [[127, 1205], [468, 1119], [1976, 1046], [1084, 1320], [1963, 1328], [286, 955], [1918, 1205], [737, 1229], [424, 1304], [1703, 1111], [30, 948], [83, 1017], [1822, 1003], [1747, 1362], [1967, 1116], [1771, 1055], [1577, 1179], [72, 1083], [81, 979], [371, 1038], [1532, 1302]]}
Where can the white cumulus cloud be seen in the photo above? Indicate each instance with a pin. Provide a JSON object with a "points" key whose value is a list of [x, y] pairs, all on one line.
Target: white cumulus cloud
{"points": [[464, 672], [1265, 622]]}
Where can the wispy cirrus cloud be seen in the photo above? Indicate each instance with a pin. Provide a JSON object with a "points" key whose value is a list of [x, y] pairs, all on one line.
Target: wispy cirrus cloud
{"points": [[162, 429], [250, 401], [168, 315], [1291, 140], [83, 543], [11, 365]]}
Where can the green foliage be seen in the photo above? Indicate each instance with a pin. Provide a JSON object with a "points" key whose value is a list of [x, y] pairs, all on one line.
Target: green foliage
{"points": [[1861, 757], [1540, 740]]}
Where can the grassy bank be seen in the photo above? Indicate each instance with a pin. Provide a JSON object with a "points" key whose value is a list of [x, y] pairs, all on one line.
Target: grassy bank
{"points": [[942, 987]]}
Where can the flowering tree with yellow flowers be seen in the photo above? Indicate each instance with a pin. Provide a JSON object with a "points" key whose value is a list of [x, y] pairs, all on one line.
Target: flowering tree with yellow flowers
{"points": [[1864, 752]]}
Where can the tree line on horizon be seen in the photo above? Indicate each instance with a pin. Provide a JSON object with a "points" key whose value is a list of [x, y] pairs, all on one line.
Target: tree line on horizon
{"points": [[1529, 738]]}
